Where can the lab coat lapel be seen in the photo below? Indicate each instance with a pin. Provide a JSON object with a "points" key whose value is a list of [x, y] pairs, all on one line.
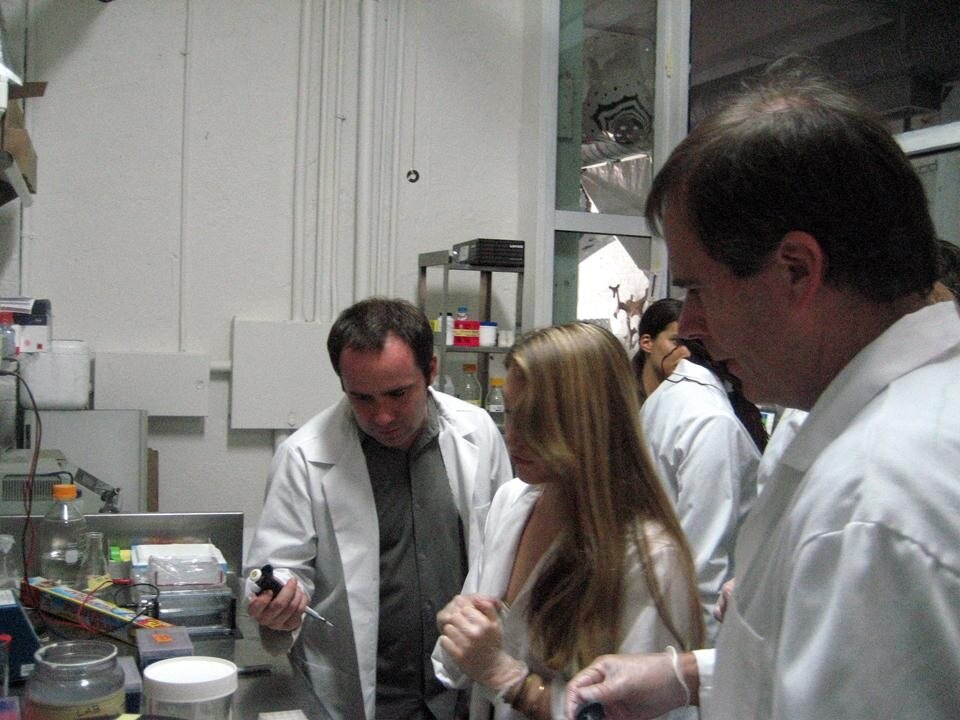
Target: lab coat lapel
{"points": [[461, 459], [354, 518]]}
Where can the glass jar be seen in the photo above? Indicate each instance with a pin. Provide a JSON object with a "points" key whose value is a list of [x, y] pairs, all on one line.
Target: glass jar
{"points": [[73, 680]]}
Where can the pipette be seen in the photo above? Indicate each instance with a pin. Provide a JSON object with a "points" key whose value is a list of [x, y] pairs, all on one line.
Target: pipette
{"points": [[264, 579]]}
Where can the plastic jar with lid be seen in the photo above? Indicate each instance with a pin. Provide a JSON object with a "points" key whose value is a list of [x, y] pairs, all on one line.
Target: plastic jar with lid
{"points": [[192, 687], [72, 680]]}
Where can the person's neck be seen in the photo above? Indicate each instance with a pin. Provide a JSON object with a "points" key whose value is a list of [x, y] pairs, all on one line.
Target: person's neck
{"points": [[650, 378], [856, 323]]}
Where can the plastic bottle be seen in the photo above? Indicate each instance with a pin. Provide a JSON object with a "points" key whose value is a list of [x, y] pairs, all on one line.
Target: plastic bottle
{"points": [[495, 402], [8, 337], [8, 570], [462, 313], [61, 537], [448, 387], [470, 390], [445, 322]]}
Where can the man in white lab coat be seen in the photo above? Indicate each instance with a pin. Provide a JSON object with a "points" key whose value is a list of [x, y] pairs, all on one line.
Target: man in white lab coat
{"points": [[802, 235], [373, 510]]}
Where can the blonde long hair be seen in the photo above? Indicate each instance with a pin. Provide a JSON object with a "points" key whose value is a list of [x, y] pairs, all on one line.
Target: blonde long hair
{"points": [[577, 410]]}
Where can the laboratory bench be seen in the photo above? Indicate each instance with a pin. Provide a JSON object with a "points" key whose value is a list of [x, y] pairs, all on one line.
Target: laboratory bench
{"points": [[266, 683]]}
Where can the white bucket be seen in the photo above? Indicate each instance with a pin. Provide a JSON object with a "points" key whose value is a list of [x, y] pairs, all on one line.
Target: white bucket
{"points": [[58, 378], [190, 687]]}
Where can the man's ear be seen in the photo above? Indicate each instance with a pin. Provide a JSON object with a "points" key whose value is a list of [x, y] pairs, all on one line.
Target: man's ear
{"points": [[433, 370], [802, 262], [646, 342]]}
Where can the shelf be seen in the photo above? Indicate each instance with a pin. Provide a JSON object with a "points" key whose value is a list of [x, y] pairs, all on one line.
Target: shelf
{"points": [[442, 260], [489, 349]]}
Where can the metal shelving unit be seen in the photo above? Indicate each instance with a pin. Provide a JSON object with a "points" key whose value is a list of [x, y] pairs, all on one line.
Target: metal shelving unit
{"points": [[443, 260]]}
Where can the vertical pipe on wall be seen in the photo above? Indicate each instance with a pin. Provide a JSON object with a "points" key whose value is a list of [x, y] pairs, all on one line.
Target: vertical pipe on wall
{"points": [[184, 181], [390, 142], [299, 301], [330, 155], [366, 107]]}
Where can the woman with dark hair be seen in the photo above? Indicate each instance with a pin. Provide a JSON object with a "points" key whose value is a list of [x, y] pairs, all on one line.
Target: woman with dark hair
{"points": [[705, 439], [582, 553], [660, 349]]}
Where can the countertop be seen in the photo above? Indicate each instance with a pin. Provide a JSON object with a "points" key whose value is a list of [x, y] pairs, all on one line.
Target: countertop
{"points": [[266, 683]]}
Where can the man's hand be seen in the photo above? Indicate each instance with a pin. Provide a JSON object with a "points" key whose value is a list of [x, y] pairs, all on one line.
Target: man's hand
{"points": [[631, 687], [471, 634], [283, 612], [723, 601]]}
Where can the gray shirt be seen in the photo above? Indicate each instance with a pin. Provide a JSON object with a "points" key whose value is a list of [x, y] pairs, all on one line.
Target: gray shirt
{"points": [[423, 563]]}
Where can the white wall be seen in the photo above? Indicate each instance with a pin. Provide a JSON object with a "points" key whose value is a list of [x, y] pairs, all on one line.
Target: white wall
{"points": [[205, 159]]}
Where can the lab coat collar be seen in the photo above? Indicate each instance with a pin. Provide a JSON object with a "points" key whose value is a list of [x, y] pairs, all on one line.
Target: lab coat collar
{"points": [[911, 342], [688, 369], [342, 432]]}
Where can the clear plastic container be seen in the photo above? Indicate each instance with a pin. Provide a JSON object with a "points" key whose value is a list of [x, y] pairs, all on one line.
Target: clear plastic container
{"points": [[191, 688], [72, 680], [61, 537], [9, 573], [470, 389], [495, 402]]}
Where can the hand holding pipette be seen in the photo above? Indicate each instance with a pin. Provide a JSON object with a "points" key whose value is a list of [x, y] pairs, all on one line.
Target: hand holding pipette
{"points": [[264, 579]]}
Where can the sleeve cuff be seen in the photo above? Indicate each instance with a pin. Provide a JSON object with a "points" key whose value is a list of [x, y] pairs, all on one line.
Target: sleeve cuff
{"points": [[705, 662]]}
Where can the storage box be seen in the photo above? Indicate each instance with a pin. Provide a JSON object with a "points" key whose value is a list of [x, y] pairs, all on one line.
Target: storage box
{"points": [[160, 643], [16, 141], [466, 333], [490, 252], [99, 614], [59, 379], [178, 564]]}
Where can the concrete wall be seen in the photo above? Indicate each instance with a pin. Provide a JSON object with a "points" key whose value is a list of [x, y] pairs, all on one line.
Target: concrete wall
{"points": [[201, 160]]}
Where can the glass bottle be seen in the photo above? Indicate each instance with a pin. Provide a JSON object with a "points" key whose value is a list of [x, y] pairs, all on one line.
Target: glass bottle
{"points": [[495, 402], [93, 569], [78, 679], [470, 389], [462, 313], [60, 539]]}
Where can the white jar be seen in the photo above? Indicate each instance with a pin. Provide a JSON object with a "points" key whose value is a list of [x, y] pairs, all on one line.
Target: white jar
{"points": [[190, 687]]}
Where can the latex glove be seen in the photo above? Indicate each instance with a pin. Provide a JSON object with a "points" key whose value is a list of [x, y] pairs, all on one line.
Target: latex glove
{"points": [[720, 609], [631, 687], [283, 612], [471, 634]]}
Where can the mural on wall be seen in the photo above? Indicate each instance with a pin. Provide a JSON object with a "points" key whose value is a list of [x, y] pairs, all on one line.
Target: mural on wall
{"points": [[613, 288]]}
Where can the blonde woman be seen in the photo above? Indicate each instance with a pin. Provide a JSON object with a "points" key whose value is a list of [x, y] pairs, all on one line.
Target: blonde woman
{"points": [[582, 554]]}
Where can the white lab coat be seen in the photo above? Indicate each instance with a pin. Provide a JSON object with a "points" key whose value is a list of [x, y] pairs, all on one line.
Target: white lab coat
{"points": [[783, 434], [641, 627], [847, 602], [707, 463], [319, 520]]}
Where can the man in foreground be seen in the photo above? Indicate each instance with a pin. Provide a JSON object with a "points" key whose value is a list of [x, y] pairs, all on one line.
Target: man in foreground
{"points": [[801, 234]]}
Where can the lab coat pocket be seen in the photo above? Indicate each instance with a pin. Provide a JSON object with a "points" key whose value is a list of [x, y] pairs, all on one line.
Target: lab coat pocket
{"points": [[741, 653]]}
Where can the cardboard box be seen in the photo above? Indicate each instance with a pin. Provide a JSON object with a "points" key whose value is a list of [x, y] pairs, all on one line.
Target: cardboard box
{"points": [[100, 614], [16, 141]]}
